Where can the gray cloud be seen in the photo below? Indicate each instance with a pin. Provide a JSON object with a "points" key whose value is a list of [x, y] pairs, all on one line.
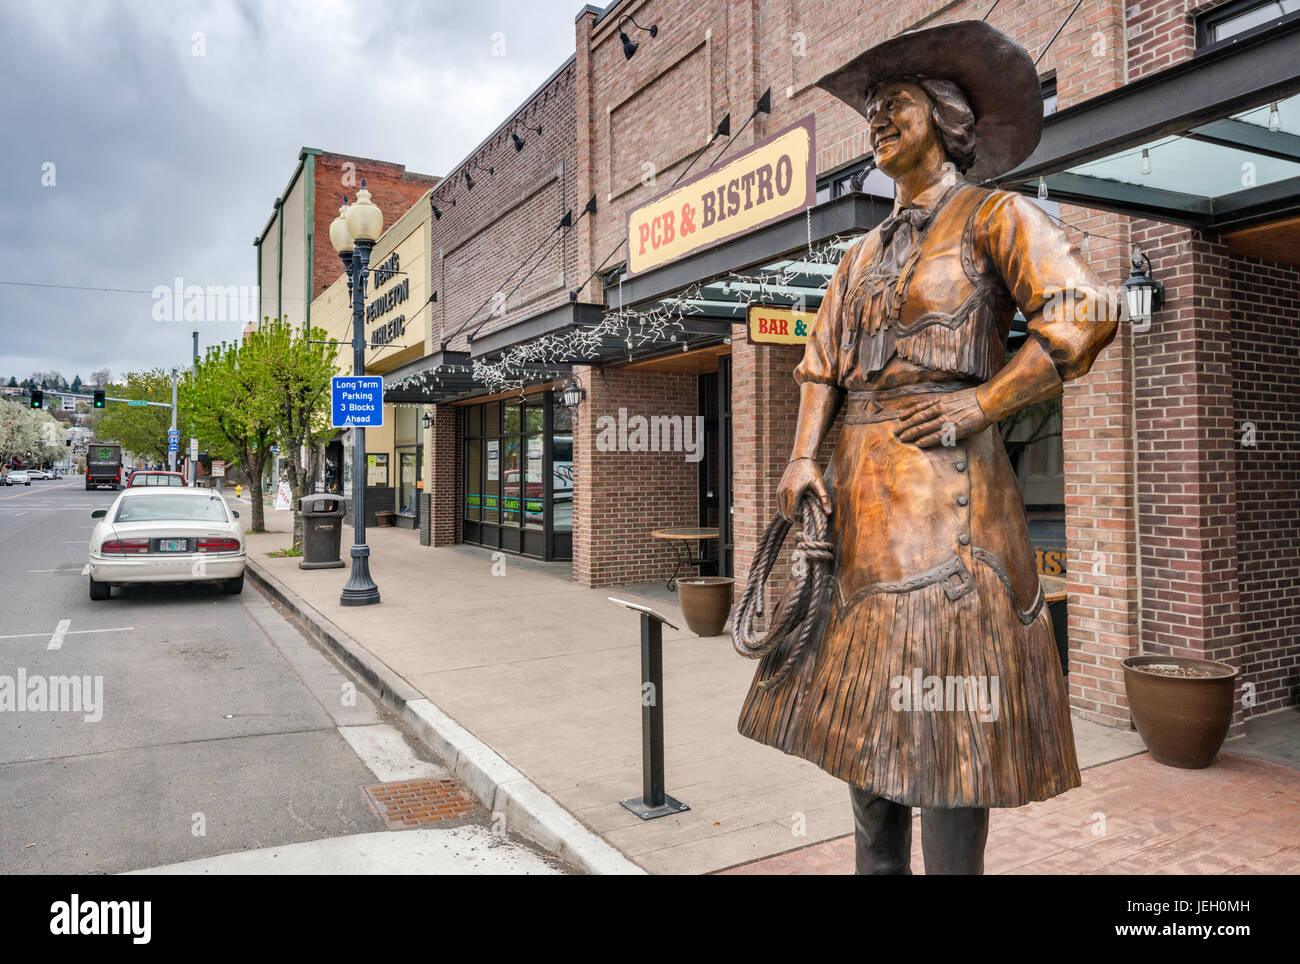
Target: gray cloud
{"points": [[168, 163]]}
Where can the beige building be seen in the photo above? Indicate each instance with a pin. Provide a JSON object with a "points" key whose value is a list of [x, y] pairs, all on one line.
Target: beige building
{"points": [[399, 294]]}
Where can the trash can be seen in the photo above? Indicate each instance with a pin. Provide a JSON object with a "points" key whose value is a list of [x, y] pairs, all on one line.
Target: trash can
{"points": [[322, 530]]}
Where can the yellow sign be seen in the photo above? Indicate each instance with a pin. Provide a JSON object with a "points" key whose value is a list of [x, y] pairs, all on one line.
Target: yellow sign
{"points": [[773, 179], [779, 326]]}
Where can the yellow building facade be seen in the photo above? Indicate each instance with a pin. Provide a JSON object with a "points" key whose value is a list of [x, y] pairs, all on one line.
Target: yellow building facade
{"points": [[399, 293]]}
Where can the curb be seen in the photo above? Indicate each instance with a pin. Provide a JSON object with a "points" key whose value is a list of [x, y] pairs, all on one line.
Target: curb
{"points": [[489, 776]]}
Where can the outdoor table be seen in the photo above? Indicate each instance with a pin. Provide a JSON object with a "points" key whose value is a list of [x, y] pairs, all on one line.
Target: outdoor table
{"points": [[680, 538]]}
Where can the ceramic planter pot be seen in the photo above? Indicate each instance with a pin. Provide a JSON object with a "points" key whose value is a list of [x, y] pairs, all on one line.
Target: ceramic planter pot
{"points": [[706, 603], [1182, 719]]}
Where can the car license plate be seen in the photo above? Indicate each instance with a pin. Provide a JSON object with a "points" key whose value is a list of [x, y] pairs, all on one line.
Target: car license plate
{"points": [[173, 545]]}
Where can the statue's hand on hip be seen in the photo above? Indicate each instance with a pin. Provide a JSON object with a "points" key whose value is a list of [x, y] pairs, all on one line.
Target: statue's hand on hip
{"points": [[942, 419], [801, 475]]}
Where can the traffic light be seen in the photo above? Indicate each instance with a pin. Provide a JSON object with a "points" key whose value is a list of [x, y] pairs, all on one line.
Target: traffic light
{"points": [[99, 398], [38, 396]]}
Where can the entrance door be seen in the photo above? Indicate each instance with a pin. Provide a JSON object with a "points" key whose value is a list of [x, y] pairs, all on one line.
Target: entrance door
{"points": [[510, 492]]}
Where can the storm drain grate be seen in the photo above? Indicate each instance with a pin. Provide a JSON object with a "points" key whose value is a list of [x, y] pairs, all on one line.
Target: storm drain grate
{"points": [[408, 803]]}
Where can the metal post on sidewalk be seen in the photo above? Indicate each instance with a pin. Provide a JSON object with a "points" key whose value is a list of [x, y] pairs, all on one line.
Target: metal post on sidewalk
{"points": [[653, 802]]}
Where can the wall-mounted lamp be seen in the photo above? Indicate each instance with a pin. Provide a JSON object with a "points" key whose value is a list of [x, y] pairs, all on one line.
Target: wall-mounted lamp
{"points": [[519, 141], [572, 394], [1143, 294], [427, 419], [436, 213], [630, 45]]}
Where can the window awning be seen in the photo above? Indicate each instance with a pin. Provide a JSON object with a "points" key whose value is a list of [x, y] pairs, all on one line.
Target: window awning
{"points": [[1204, 127]]}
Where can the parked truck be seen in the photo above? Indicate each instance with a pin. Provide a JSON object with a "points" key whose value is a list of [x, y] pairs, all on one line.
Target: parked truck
{"points": [[103, 465]]}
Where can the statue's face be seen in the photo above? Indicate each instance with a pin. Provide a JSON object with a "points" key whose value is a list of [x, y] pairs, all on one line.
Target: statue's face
{"points": [[902, 131]]}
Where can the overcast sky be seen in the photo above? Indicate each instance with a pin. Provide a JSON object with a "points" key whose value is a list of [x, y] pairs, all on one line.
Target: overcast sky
{"points": [[167, 163]]}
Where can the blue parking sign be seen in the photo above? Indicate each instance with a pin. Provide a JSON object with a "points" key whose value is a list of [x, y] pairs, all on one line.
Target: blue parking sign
{"points": [[357, 401]]}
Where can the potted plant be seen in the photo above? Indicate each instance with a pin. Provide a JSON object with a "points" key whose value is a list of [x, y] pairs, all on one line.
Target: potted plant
{"points": [[1182, 707], [706, 603]]}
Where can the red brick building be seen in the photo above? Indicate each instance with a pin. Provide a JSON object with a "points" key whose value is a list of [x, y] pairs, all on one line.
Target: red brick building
{"points": [[1171, 489]]}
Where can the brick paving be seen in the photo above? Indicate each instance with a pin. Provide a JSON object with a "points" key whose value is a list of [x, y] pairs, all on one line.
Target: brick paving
{"points": [[1133, 816], [409, 803]]}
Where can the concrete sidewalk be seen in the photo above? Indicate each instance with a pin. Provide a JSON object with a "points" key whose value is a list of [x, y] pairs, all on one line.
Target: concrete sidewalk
{"points": [[547, 674]]}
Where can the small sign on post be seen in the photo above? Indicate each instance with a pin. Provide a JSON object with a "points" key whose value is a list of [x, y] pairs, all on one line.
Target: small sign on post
{"points": [[69, 404], [194, 450], [653, 802], [357, 401], [218, 469]]}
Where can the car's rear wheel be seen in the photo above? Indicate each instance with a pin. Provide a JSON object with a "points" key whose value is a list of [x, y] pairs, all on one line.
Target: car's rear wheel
{"points": [[100, 590], [233, 587]]}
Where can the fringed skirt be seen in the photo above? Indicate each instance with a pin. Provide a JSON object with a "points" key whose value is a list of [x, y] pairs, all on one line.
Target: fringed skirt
{"points": [[936, 690]]}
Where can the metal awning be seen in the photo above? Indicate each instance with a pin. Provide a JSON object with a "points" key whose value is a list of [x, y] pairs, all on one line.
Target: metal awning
{"points": [[1189, 145], [439, 377]]}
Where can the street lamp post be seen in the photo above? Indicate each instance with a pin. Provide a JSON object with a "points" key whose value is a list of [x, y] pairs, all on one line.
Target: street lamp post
{"points": [[353, 234]]}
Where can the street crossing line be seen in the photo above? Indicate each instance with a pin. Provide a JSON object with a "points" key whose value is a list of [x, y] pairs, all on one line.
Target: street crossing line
{"points": [[61, 630]]}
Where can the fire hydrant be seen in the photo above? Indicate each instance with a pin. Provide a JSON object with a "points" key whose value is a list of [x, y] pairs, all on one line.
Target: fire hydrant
{"points": [[239, 491]]}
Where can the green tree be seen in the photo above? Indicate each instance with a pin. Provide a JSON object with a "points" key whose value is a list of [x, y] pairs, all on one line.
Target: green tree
{"points": [[231, 406], [297, 366], [76, 383], [140, 430], [13, 382]]}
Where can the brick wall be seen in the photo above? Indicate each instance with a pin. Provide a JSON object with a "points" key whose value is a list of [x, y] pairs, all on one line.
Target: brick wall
{"points": [[392, 187], [444, 480], [1186, 486], [1265, 312], [621, 496], [508, 220], [1100, 499]]}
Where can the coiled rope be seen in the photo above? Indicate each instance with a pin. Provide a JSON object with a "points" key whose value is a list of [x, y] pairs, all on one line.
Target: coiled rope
{"points": [[806, 599]]}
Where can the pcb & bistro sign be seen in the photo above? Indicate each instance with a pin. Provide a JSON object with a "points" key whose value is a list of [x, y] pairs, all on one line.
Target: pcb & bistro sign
{"points": [[772, 180]]}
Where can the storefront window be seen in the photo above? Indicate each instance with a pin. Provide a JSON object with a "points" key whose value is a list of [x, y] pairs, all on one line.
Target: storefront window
{"points": [[512, 481], [406, 483], [562, 474]]}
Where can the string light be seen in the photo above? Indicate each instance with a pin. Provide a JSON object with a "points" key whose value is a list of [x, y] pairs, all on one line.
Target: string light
{"points": [[642, 328], [1274, 118], [1042, 188]]}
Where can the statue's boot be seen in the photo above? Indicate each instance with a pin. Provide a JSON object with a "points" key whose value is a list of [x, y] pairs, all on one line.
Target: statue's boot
{"points": [[953, 840], [883, 832]]}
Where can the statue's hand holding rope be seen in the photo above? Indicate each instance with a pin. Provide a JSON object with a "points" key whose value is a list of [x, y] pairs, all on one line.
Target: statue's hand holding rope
{"points": [[801, 475]]}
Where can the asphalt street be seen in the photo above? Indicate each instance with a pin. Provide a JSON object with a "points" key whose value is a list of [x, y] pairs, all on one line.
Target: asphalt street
{"points": [[222, 734]]}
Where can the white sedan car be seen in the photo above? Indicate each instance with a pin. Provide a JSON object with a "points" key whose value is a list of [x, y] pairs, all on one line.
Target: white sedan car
{"points": [[165, 534]]}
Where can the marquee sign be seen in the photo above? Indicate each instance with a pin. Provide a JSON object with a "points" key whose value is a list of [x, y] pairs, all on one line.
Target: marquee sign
{"points": [[779, 326], [773, 179]]}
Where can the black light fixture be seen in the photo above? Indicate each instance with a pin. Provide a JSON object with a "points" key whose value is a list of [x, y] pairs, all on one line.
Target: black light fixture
{"points": [[630, 45], [427, 419], [572, 394], [519, 141], [1143, 294], [469, 182], [436, 213]]}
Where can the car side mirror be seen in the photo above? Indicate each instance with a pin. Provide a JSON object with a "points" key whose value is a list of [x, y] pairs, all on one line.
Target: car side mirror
{"points": [[99, 513], [236, 513]]}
